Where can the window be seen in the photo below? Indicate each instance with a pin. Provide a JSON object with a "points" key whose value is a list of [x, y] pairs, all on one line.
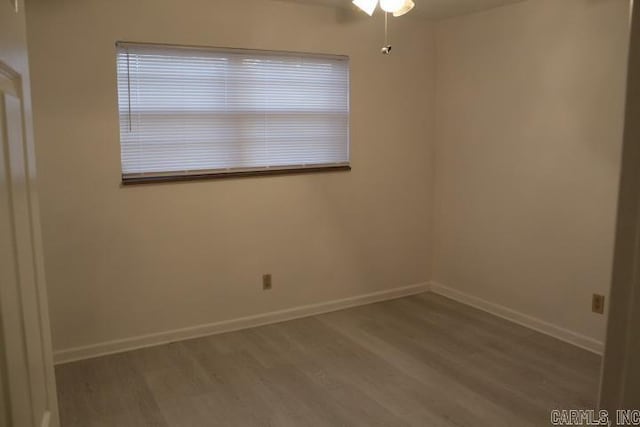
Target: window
{"points": [[198, 112]]}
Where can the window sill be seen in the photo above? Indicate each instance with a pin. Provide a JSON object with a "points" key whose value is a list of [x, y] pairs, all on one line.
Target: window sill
{"points": [[156, 179]]}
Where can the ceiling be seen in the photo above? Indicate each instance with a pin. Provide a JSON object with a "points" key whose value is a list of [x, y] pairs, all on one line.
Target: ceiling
{"points": [[430, 9]]}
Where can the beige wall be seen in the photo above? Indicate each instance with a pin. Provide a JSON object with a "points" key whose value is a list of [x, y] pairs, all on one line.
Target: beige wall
{"points": [[529, 129], [123, 262]]}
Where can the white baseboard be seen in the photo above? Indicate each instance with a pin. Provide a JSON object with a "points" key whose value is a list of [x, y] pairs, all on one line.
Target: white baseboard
{"points": [[150, 340], [522, 319], [127, 344]]}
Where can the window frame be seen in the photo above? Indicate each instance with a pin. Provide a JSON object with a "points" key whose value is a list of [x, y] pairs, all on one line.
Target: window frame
{"points": [[235, 172]]}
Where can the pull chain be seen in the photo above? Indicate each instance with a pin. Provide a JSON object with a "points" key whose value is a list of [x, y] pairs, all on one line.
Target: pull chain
{"points": [[129, 88], [386, 29], [386, 49]]}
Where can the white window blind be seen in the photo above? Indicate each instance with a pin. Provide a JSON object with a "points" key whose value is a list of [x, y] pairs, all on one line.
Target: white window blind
{"points": [[200, 111]]}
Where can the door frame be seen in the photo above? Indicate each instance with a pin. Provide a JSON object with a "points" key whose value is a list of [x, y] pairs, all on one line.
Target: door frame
{"points": [[620, 379], [20, 379]]}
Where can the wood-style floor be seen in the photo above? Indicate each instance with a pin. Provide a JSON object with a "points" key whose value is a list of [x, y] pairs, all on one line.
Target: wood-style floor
{"points": [[420, 361]]}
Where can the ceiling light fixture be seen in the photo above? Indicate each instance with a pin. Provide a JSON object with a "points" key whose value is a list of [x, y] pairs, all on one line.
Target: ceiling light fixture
{"points": [[397, 7], [406, 7], [391, 5], [368, 6]]}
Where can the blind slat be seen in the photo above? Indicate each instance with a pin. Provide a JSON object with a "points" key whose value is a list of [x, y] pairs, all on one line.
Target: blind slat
{"points": [[184, 110]]}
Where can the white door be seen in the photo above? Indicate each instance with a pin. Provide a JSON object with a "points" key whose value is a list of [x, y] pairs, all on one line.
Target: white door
{"points": [[27, 384]]}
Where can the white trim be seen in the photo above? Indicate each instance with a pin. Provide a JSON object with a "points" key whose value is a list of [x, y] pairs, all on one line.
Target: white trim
{"points": [[150, 340], [522, 319], [127, 344]]}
